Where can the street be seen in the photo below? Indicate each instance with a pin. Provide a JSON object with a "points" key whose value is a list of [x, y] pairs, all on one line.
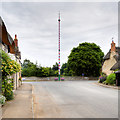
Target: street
{"points": [[74, 99]]}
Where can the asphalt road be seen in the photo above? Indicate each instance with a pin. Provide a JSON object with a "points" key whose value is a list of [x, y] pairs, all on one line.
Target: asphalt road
{"points": [[74, 99]]}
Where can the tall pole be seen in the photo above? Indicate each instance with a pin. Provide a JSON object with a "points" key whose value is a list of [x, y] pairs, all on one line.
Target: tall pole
{"points": [[59, 47]]}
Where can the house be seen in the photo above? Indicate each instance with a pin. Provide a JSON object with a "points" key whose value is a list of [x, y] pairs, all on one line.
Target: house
{"points": [[10, 46], [111, 59]]}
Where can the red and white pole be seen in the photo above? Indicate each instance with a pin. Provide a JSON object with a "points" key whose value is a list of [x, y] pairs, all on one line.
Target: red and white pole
{"points": [[59, 47]]}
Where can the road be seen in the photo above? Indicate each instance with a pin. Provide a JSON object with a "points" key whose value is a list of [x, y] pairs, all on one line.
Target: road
{"points": [[74, 99]]}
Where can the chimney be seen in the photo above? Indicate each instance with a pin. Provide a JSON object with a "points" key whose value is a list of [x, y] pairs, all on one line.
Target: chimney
{"points": [[113, 46], [16, 41]]}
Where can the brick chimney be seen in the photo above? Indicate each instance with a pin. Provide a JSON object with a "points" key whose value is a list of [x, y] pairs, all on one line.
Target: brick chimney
{"points": [[113, 46], [16, 41]]}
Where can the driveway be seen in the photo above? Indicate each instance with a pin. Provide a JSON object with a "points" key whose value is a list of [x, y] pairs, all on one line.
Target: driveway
{"points": [[74, 99]]}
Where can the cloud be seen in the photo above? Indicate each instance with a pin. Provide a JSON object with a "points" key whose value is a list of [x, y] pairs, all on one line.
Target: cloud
{"points": [[36, 25]]}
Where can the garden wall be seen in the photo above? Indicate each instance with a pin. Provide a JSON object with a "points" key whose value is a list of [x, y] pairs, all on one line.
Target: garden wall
{"points": [[66, 78]]}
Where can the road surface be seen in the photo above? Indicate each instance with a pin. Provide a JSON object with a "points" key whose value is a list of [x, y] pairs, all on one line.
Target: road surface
{"points": [[74, 99]]}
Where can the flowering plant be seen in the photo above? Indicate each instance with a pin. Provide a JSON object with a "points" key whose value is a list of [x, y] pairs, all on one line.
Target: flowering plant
{"points": [[102, 78], [2, 100], [7, 88], [56, 79], [62, 79], [9, 67]]}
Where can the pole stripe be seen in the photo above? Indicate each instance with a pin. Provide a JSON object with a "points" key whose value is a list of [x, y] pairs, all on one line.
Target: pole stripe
{"points": [[59, 45]]}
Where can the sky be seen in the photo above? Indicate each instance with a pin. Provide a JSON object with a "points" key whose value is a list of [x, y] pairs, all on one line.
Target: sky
{"points": [[36, 26]]}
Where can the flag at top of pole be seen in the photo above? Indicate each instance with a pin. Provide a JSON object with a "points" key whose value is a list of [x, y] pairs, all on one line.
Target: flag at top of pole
{"points": [[59, 47]]}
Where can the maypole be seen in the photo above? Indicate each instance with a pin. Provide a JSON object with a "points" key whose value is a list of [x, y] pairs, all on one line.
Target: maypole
{"points": [[59, 47]]}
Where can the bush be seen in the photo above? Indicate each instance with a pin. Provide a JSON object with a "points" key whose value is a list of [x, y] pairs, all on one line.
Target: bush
{"points": [[62, 79], [9, 67], [7, 87], [9, 95], [111, 79], [56, 79], [2, 100], [102, 79]]}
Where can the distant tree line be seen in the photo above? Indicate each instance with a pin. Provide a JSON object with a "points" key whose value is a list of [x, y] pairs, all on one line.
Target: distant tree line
{"points": [[31, 69], [85, 59]]}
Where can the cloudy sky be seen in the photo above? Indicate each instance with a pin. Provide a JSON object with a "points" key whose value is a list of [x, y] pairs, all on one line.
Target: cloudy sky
{"points": [[36, 26]]}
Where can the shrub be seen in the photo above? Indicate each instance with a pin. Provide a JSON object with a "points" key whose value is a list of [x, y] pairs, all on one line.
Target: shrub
{"points": [[9, 67], [2, 100], [9, 95], [7, 87], [111, 79], [62, 79], [56, 79], [102, 79]]}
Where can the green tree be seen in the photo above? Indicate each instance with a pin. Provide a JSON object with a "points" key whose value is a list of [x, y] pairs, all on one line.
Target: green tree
{"points": [[65, 70], [86, 58], [55, 67], [64, 65], [31, 69]]}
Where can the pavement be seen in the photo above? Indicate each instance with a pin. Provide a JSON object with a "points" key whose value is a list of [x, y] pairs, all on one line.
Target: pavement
{"points": [[108, 86], [67, 99], [21, 105]]}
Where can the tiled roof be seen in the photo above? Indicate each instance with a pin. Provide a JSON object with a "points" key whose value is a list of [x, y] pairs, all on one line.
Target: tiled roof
{"points": [[5, 36]]}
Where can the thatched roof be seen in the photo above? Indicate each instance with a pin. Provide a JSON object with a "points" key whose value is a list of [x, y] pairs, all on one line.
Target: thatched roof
{"points": [[107, 56], [117, 71], [116, 66], [117, 58]]}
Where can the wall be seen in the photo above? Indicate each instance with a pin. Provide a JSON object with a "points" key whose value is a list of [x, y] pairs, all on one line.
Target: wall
{"points": [[16, 76], [109, 63], [67, 78]]}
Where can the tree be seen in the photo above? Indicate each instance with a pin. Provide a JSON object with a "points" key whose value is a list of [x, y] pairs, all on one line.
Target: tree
{"points": [[86, 58], [31, 69], [64, 65], [55, 67], [65, 70]]}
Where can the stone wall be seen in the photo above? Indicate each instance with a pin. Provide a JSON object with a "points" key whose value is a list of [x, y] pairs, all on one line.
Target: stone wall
{"points": [[108, 64], [66, 78]]}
